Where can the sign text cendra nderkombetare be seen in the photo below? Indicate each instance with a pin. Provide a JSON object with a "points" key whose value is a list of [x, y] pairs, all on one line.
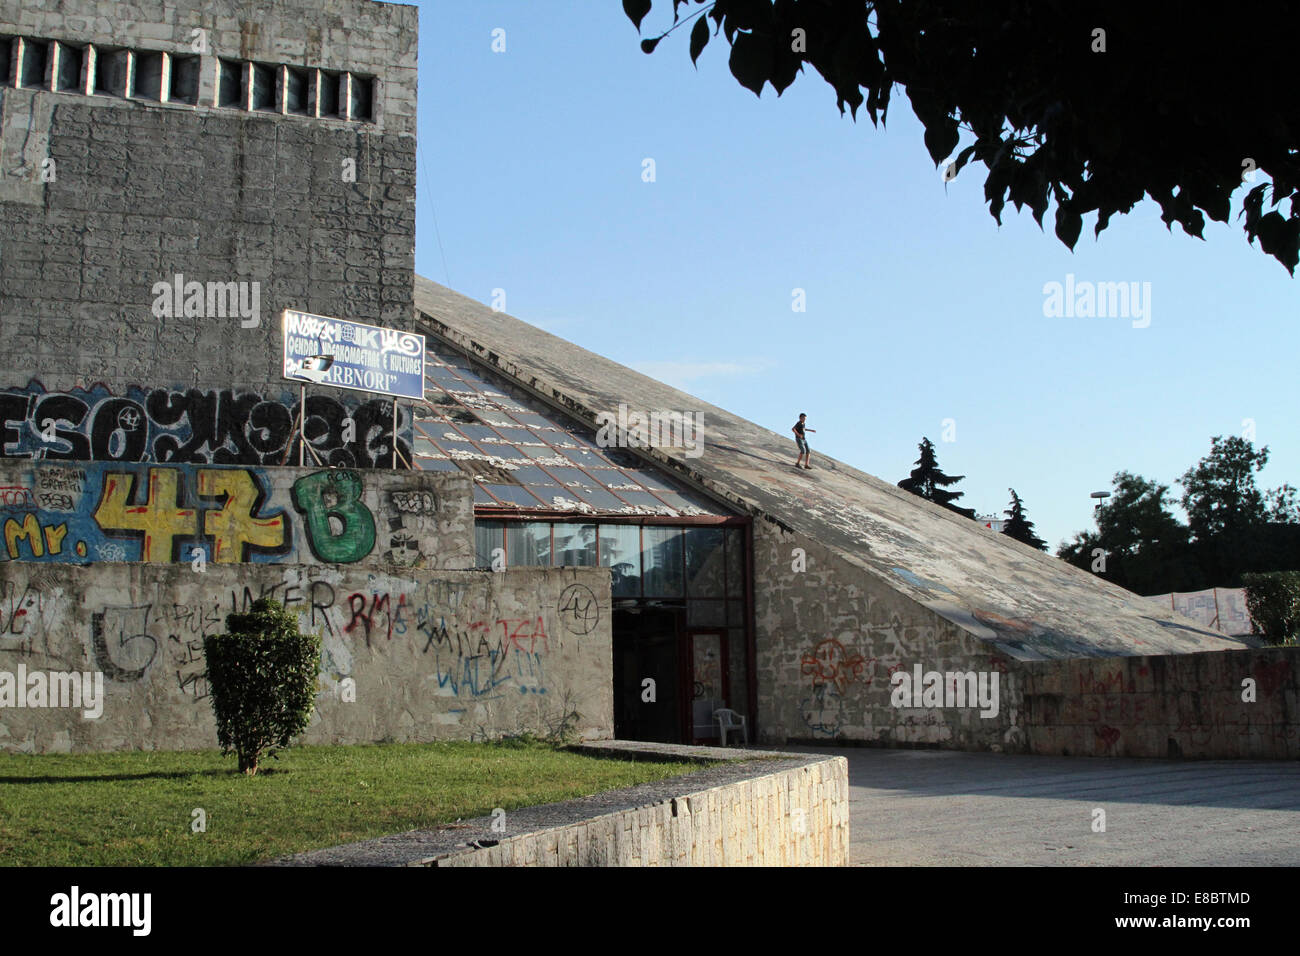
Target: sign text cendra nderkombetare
{"points": [[345, 354]]}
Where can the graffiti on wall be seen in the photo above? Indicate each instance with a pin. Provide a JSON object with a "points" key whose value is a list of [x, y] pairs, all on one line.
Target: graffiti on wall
{"points": [[831, 670], [471, 651], [99, 511], [193, 426]]}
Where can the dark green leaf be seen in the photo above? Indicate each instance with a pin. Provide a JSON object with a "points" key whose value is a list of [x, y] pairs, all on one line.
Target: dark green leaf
{"points": [[751, 61], [699, 37], [941, 139], [636, 11], [1068, 225]]}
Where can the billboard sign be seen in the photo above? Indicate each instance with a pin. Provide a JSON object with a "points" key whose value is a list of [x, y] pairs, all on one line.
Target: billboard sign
{"points": [[343, 354]]}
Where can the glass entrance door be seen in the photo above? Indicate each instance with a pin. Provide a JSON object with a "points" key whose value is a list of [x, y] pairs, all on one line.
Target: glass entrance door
{"points": [[707, 659]]}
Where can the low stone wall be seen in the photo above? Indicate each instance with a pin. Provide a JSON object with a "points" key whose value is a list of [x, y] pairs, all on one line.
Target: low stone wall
{"points": [[796, 817], [1213, 704], [407, 655], [751, 808]]}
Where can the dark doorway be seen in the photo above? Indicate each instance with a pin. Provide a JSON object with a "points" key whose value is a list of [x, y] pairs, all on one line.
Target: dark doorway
{"points": [[646, 645]]}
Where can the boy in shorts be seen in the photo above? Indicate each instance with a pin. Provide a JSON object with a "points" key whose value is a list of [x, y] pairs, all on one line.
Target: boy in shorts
{"points": [[799, 429]]}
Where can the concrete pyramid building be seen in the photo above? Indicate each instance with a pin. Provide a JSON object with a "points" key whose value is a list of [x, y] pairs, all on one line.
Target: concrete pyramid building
{"points": [[854, 579]]}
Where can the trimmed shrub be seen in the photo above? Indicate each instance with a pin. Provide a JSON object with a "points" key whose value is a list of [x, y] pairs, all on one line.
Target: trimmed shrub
{"points": [[263, 677], [1273, 599]]}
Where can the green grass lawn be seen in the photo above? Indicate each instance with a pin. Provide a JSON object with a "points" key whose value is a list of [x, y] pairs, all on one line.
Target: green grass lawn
{"points": [[116, 809]]}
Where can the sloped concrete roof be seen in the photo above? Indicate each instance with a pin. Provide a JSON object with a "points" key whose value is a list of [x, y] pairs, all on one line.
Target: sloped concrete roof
{"points": [[1031, 605]]}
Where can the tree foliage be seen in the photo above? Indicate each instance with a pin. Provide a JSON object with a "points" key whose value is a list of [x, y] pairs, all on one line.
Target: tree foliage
{"points": [[1233, 527], [1144, 544], [1019, 527], [1274, 604], [928, 481], [263, 678], [1090, 106]]}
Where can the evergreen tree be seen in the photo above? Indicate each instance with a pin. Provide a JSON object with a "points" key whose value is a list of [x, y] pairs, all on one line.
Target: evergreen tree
{"points": [[1020, 527], [928, 481]]}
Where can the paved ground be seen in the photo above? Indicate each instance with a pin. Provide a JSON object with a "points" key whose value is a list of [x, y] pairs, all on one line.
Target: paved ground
{"points": [[926, 807]]}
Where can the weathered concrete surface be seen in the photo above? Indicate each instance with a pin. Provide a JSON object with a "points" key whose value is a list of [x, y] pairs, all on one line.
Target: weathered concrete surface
{"points": [[431, 654], [772, 809], [143, 192], [1022, 603], [95, 512], [944, 808], [1215, 704]]}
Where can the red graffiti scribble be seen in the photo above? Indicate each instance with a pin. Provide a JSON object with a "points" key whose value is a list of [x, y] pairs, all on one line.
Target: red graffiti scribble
{"points": [[1270, 677], [1108, 736], [378, 602], [830, 663]]}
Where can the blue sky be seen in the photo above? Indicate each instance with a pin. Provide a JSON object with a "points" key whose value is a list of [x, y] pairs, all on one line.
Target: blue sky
{"points": [[919, 307]]}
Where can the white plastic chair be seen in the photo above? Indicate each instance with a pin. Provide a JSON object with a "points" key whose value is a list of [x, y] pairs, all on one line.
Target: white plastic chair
{"points": [[728, 719]]}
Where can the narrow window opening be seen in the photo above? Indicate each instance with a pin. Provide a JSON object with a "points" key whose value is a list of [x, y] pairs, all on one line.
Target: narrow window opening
{"points": [[363, 98], [148, 75], [184, 80], [36, 57], [264, 88], [297, 90], [110, 72], [71, 59], [230, 84], [329, 93]]}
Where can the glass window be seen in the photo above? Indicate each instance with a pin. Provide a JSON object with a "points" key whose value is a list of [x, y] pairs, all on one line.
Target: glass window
{"points": [[549, 494], [501, 450], [705, 564], [487, 535], [528, 543], [738, 699], [435, 464], [575, 544], [642, 499], [532, 475], [735, 562], [705, 614], [572, 476], [736, 613], [661, 561], [443, 376], [620, 551], [514, 495], [598, 498]]}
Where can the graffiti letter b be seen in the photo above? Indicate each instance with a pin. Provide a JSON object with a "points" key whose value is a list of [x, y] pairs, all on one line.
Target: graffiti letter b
{"points": [[335, 495]]}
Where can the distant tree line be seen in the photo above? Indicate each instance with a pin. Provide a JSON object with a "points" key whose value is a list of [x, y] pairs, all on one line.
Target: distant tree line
{"points": [[1233, 527]]}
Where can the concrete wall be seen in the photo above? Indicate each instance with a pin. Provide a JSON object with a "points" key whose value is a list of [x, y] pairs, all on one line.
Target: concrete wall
{"points": [[1186, 705], [433, 654], [831, 636], [93, 512], [307, 212], [797, 817]]}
